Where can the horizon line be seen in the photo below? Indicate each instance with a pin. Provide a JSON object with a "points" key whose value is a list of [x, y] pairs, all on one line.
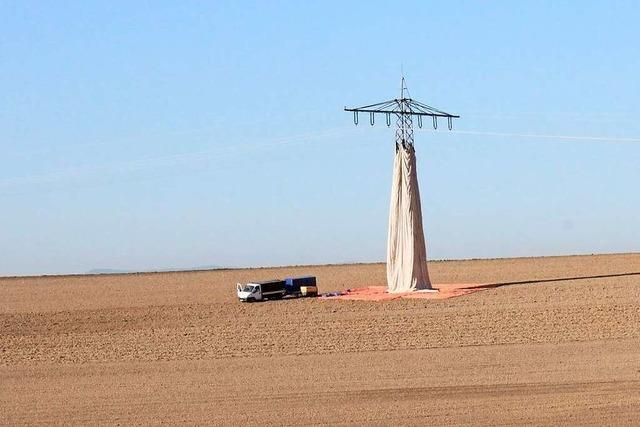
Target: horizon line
{"points": [[199, 270]]}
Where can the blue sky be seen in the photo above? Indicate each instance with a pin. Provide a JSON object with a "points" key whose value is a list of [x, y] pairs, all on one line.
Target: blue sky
{"points": [[178, 134]]}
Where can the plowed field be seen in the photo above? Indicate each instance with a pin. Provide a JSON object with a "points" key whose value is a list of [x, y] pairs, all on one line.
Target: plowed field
{"points": [[557, 340]]}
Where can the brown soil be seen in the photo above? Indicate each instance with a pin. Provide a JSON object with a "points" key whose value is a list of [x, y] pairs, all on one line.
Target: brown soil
{"points": [[178, 347]]}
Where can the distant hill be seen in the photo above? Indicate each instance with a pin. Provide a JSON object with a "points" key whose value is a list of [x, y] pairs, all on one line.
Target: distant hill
{"points": [[163, 270], [107, 271]]}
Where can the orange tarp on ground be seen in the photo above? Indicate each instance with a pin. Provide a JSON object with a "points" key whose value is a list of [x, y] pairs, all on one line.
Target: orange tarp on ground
{"points": [[379, 293]]}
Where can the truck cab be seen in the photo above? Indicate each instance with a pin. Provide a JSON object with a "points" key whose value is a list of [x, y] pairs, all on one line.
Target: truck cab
{"points": [[258, 291], [249, 292]]}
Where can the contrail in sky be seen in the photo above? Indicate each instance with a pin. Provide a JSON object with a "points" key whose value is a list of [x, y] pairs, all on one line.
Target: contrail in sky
{"points": [[158, 161], [128, 166], [536, 135]]}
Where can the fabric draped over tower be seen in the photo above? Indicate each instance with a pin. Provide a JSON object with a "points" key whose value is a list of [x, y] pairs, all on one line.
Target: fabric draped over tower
{"points": [[406, 250]]}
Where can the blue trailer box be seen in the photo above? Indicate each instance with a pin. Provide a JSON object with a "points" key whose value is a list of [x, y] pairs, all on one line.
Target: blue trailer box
{"points": [[293, 284]]}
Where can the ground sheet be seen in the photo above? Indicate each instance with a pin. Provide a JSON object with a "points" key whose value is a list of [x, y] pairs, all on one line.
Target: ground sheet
{"points": [[379, 293]]}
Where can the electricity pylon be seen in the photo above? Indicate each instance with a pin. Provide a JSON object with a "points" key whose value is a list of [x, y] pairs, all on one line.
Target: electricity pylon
{"points": [[404, 110]]}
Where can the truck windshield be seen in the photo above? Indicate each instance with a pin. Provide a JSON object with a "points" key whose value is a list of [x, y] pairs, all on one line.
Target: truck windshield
{"points": [[248, 288]]}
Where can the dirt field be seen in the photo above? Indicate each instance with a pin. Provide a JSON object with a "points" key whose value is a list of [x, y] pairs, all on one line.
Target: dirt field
{"points": [[177, 347]]}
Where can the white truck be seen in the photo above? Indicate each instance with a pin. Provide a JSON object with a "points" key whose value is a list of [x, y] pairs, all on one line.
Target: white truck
{"points": [[276, 289]]}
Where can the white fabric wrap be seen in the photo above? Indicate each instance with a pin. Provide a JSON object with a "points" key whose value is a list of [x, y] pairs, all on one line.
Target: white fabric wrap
{"points": [[406, 250]]}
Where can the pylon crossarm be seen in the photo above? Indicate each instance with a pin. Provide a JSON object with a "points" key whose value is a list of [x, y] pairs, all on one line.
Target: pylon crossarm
{"points": [[430, 111], [406, 110], [379, 106], [398, 112], [397, 107]]}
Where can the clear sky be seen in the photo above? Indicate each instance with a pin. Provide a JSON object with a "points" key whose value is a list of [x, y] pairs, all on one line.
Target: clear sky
{"points": [[146, 135]]}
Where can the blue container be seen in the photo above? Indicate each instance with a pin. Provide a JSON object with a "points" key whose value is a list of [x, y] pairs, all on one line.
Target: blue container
{"points": [[292, 284]]}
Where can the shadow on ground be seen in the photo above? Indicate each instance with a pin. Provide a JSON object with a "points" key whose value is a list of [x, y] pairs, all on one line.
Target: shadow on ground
{"points": [[558, 279]]}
